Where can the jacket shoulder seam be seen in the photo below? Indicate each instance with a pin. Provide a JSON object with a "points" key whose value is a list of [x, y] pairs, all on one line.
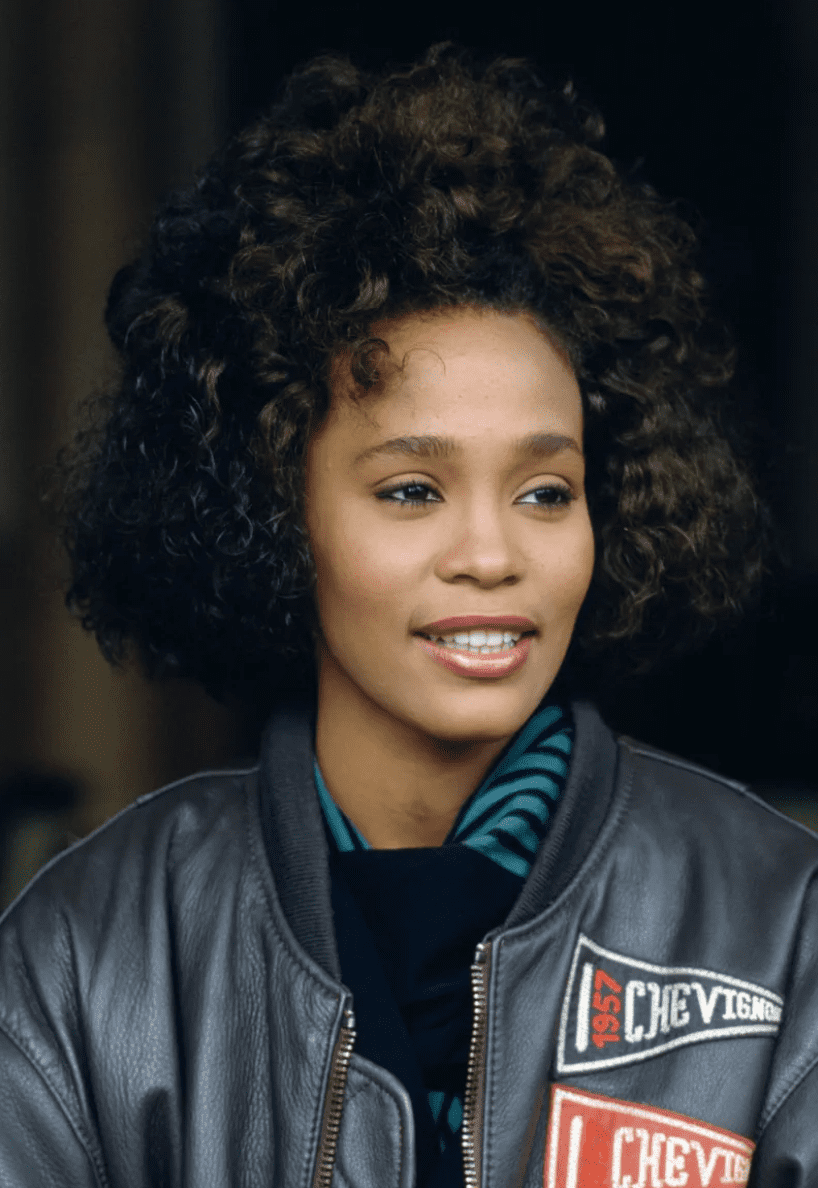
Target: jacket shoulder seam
{"points": [[215, 772], [145, 798], [74, 1123], [684, 765], [714, 777]]}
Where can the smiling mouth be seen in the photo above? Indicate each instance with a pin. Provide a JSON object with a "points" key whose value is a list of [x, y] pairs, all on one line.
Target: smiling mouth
{"points": [[488, 653], [479, 642]]}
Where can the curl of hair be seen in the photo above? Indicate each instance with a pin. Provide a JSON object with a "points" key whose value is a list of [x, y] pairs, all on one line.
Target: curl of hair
{"points": [[449, 182]]}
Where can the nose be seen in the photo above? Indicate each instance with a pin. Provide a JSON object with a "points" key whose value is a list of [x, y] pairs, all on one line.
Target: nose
{"points": [[481, 550]]}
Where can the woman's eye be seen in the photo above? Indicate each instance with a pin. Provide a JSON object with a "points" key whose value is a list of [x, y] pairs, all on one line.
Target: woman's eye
{"points": [[553, 496], [414, 493]]}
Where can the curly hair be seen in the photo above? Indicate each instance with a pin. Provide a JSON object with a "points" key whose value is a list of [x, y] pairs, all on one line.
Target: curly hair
{"points": [[355, 198]]}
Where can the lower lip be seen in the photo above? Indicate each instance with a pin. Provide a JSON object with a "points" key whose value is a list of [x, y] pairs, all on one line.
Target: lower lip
{"points": [[480, 666]]}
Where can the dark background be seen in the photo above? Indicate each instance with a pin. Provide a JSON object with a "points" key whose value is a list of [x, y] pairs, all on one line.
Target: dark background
{"points": [[106, 105]]}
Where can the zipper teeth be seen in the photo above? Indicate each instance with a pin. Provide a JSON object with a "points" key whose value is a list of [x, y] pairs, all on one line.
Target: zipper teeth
{"points": [[335, 1102], [474, 1074]]}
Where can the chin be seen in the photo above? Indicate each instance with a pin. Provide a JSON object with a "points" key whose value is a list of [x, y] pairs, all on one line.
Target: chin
{"points": [[478, 723]]}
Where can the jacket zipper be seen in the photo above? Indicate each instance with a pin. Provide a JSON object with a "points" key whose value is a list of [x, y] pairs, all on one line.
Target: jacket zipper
{"points": [[334, 1106], [476, 1072]]}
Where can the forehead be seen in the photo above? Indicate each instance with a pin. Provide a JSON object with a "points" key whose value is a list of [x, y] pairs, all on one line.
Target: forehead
{"points": [[459, 369]]}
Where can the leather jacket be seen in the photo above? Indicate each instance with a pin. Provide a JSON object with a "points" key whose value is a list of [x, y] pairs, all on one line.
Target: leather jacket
{"points": [[171, 1010]]}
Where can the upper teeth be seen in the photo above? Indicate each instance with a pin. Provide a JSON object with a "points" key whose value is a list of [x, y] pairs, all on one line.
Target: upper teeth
{"points": [[480, 639]]}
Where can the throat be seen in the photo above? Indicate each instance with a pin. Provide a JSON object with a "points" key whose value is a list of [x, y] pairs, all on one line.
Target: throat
{"points": [[401, 790], [399, 805]]}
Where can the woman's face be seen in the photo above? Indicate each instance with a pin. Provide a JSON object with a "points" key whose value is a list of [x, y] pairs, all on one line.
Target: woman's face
{"points": [[447, 515]]}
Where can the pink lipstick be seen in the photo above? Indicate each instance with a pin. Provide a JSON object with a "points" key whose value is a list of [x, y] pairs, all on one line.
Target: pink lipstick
{"points": [[482, 647], [476, 623], [477, 665]]}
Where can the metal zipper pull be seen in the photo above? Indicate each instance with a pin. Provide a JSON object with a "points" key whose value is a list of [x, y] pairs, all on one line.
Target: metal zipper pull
{"points": [[476, 1074], [334, 1105]]}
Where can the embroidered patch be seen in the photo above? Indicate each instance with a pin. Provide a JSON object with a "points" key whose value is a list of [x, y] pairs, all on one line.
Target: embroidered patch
{"points": [[618, 1010], [600, 1142]]}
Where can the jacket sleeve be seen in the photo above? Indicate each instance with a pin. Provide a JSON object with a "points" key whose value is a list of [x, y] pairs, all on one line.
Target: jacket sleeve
{"points": [[787, 1152], [39, 1144]]}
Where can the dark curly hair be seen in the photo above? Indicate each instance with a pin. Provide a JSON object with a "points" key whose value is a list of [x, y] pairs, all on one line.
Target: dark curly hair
{"points": [[453, 181]]}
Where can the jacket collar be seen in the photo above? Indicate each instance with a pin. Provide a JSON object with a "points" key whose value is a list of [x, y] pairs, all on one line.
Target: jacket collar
{"points": [[583, 807], [293, 830], [296, 844]]}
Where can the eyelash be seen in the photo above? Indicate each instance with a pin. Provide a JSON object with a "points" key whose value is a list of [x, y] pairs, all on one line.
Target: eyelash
{"points": [[563, 494], [389, 495]]}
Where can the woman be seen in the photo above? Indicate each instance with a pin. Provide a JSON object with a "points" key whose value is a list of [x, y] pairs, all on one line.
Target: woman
{"points": [[418, 436]]}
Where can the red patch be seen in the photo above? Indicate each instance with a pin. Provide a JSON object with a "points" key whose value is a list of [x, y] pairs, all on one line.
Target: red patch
{"points": [[600, 1142]]}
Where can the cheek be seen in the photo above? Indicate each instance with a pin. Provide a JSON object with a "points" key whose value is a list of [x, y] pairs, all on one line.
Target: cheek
{"points": [[359, 572], [572, 568]]}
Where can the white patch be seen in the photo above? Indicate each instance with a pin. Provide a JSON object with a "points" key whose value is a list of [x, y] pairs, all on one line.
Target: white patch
{"points": [[618, 1010]]}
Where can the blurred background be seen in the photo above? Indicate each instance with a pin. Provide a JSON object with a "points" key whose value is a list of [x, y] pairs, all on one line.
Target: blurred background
{"points": [[106, 104]]}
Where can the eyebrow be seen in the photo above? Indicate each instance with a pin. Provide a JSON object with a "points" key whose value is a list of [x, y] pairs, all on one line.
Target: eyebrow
{"points": [[430, 446]]}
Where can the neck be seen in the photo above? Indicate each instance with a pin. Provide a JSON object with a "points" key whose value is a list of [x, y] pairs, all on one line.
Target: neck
{"points": [[399, 787]]}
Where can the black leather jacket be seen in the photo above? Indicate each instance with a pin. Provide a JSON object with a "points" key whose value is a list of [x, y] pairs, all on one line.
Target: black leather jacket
{"points": [[171, 1011]]}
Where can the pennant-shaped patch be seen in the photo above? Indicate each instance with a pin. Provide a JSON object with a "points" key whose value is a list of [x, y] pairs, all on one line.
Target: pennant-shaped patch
{"points": [[618, 1010]]}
